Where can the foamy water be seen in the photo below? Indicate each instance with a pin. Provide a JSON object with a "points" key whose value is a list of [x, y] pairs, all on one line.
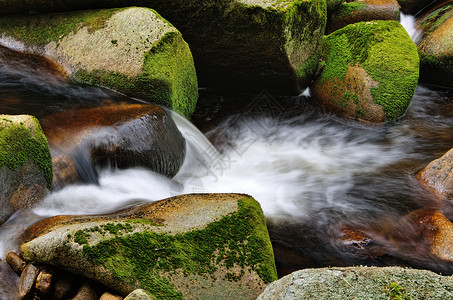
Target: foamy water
{"points": [[408, 23]]}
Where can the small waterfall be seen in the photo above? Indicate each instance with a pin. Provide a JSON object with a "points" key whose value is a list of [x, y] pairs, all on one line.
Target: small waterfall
{"points": [[408, 23]]}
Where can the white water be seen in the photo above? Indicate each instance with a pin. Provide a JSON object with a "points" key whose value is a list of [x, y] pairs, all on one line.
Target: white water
{"points": [[408, 23], [293, 167]]}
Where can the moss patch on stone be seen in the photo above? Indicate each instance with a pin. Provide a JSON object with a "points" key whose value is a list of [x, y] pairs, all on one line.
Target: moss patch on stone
{"points": [[385, 51], [54, 27], [19, 145], [148, 258], [347, 9], [168, 76]]}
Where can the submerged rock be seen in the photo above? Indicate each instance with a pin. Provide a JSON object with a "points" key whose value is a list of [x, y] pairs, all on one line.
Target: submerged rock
{"points": [[192, 246], [132, 50], [438, 175], [370, 71], [429, 228], [436, 45], [360, 283], [363, 10], [247, 45], [25, 164], [123, 135]]}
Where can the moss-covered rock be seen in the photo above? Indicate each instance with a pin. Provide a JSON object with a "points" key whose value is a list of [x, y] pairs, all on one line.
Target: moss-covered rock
{"points": [[242, 44], [205, 246], [25, 164], [363, 10], [121, 135], [360, 283], [438, 176], [370, 71], [132, 50], [436, 45]]}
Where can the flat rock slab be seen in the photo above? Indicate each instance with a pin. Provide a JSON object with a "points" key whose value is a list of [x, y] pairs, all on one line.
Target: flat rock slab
{"points": [[360, 283], [208, 246], [132, 50]]}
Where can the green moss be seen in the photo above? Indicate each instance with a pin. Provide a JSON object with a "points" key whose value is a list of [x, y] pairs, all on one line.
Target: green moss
{"points": [[396, 292], [348, 8], [42, 29], [168, 76], [80, 237], [239, 239], [18, 146], [385, 51]]}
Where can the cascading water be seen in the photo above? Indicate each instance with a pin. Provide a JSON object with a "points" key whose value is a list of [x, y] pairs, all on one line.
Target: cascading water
{"points": [[310, 171]]}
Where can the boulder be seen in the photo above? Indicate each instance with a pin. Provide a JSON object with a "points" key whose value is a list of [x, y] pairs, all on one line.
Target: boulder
{"points": [[412, 7], [435, 45], [438, 176], [363, 10], [426, 228], [370, 71], [192, 246], [247, 45], [360, 283], [121, 135], [132, 50], [25, 164], [140, 294]]}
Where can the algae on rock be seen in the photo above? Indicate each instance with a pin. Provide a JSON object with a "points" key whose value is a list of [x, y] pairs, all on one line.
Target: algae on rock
{"points": [[25, 164], [370, 71], [132, 50], [436, 45], [208, 245], [247, 45]]}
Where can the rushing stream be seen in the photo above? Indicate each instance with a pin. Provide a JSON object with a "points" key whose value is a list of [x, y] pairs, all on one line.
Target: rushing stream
{"points": [[311, 172]]}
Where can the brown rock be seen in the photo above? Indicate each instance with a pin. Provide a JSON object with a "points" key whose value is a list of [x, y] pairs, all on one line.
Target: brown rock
{"points": [[330, 95], [431, 228], [65, 285], [108, 296], [15, 262], [44, 281], [123, 135], [363, 10], [27, 279], [359, 244], [438, 175], [86, 292]]}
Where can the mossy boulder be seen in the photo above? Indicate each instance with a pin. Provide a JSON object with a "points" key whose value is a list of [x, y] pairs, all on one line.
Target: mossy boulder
{"points": [[370, 71], [120, 135], [25, 164], [438, 176], [436, 45], [248, 45], [363, 10], [132, 50], [360, 283], [204, 246]]}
